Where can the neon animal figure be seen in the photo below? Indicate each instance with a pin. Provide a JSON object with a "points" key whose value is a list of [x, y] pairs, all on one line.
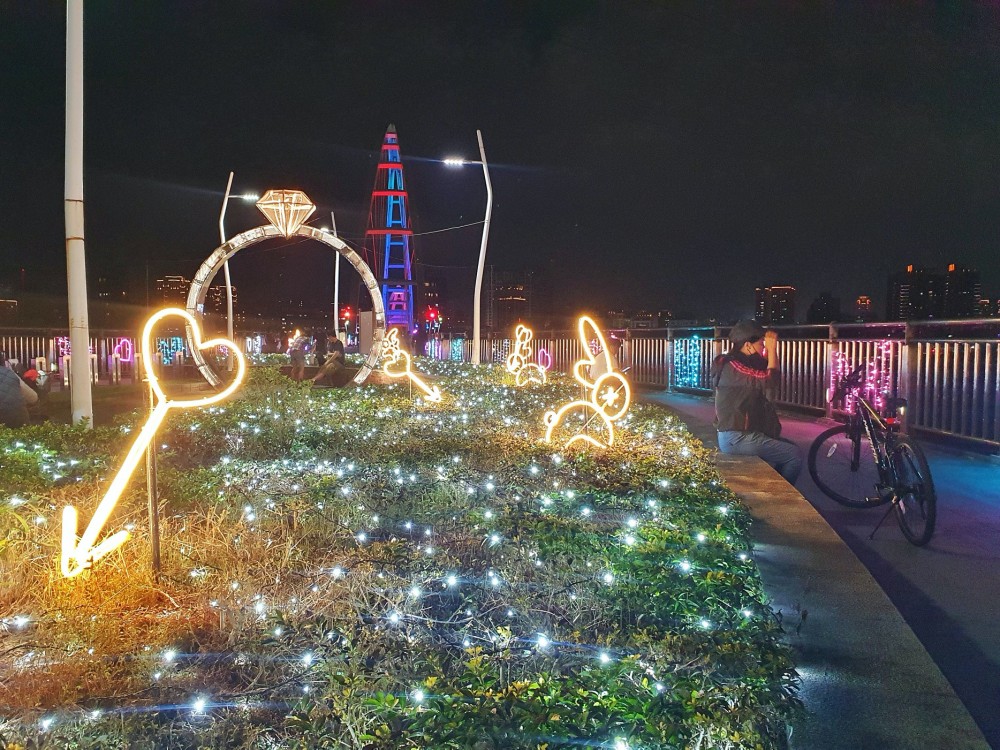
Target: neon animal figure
{"points": [[78, 554], [517, 364], [397, 365], [607, 393]]}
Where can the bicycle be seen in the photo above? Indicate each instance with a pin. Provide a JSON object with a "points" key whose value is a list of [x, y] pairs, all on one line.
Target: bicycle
{"points": [[866, 463]]}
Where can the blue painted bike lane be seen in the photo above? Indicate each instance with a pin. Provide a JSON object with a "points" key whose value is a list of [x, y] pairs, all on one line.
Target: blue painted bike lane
{"points": [[948, 591]]}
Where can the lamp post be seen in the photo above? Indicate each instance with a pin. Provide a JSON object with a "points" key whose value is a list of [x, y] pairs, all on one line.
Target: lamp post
{"points": [[482, 247], [81, 400], [225, 266]]}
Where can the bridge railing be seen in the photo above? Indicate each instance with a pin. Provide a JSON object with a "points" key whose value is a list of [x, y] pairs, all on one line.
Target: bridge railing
{"points": [[949, 371], [112, 353]]}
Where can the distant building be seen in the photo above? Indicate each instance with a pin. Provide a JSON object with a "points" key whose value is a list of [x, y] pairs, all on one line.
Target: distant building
{"points": [[510, 299], [663, 318], [774, 305], [8, 311], [173, 290], [915, 294], [642, 319], [986, 309], [962, 292], [921, 293], [863, 312], [215, 299], [615, 319], [824, 309]]}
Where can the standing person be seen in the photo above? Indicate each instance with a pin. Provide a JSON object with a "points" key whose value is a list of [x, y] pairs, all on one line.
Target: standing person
{"points": [[297, 354], [15, 397], [746, 419], [320, 347]]}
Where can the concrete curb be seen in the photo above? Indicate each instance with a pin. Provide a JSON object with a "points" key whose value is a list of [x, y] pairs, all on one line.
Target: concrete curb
{"points": [[866, 680]]}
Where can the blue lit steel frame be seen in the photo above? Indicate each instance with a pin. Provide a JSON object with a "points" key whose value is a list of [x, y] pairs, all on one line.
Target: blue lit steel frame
{"points": [[388, 237]]}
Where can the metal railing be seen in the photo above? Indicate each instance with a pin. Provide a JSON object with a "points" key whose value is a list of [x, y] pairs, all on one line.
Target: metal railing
{"points": [[949, 371], [112, 353]]}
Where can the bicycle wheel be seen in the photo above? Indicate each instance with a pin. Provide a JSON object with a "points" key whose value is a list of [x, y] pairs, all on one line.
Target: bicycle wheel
{"points": [[844, 471], [916, 503]]}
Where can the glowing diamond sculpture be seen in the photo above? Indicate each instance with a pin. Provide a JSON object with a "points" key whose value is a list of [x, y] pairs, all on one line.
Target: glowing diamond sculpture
{"points": [[287, 210]]}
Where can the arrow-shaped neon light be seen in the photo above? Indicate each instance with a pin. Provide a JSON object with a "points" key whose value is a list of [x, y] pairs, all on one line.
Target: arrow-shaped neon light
{"points": [[78, 554]]}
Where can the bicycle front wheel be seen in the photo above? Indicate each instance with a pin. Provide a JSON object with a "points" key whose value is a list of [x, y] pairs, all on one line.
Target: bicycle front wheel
{"points": [[916, 500], [846, 471]]}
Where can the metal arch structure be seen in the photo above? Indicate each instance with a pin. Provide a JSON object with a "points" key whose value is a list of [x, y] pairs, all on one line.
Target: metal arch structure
{"points": [[206, 273]]}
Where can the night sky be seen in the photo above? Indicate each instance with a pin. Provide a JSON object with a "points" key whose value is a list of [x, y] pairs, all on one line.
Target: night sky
{"points": [[645, 154]]}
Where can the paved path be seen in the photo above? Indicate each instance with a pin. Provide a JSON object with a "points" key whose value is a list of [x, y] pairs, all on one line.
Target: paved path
{"points": [[949, 591]]}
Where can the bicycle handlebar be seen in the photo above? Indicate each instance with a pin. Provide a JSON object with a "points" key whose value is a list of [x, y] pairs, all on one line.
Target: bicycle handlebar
{"points": [[849, 382]]}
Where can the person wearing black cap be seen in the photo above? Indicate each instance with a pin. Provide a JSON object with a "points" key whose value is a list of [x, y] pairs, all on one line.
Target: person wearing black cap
{"points": [[745, 418]]}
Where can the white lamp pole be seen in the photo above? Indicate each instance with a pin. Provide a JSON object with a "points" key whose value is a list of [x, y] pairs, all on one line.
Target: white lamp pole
{"points": [[336, 282], [454, 162], [482, 251], [225, 266], [81, 401]]}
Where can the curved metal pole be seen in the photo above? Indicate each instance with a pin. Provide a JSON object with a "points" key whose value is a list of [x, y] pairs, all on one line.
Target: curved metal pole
{"points": [[482, 252], [229, 283]]}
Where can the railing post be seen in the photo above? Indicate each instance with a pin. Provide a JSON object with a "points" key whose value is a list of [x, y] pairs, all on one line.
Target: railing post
{"points": [[670, 360], [831, 338], [907, 375]]}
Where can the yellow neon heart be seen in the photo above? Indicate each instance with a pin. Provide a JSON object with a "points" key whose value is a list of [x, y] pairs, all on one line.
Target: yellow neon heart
{"points": [[147, 362]]}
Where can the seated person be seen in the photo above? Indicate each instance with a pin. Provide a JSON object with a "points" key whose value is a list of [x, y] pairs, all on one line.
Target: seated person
{"points": [[15, 397], [333, 369], [39, 383]]}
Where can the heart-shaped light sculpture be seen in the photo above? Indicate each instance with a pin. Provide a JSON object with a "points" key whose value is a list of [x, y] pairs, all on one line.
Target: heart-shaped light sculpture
{"points": [[78, 554]]}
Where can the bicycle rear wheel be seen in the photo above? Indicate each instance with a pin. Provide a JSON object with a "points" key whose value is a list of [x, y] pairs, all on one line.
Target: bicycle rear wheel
{"points": [[916, 503], [845, 471]]}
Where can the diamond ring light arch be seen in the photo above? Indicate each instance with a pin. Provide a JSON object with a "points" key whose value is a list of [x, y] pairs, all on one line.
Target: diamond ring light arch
{"points": [[286, 210]]}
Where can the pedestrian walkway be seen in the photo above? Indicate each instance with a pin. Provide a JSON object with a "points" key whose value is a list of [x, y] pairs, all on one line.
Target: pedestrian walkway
{"points": [[854, 609]]}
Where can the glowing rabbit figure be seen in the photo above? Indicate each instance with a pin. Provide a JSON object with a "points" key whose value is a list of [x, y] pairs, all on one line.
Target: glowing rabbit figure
{"points": [[397, 365], [524, 372], [608, 391]]}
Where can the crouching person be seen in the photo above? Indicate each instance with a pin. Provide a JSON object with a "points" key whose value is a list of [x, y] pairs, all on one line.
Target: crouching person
{"points": [[745, 417]]}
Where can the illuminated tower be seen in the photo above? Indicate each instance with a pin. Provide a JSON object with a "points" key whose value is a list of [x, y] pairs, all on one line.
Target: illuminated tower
{"points": [[388, 248]]}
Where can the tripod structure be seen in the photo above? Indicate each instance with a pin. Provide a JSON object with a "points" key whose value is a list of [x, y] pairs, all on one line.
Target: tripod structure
{"points": [[388, 238]]}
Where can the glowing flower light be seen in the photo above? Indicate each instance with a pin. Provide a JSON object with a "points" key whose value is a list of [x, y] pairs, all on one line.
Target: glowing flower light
{"points": [[518, 363]]}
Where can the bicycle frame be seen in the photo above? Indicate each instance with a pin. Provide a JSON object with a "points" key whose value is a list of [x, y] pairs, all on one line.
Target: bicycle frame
{"points": [[864, 416]]}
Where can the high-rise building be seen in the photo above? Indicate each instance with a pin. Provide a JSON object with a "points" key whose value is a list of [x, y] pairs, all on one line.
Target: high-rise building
{"points": [[173, 290], [863, 312], [824, 309], [510, 299], [962, 292], [921, 293], [774, 304], [986, 309]]}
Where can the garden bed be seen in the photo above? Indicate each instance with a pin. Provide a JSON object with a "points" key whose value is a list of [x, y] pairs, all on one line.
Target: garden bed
{"points": [[356, 568]]}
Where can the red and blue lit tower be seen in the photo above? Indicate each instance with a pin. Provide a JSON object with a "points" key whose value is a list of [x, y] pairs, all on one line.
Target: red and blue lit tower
{"points": [[388, 238]]}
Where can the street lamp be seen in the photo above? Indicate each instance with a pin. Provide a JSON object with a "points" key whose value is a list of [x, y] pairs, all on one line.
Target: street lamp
{"points": [[229, 283], [452, 162]]}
